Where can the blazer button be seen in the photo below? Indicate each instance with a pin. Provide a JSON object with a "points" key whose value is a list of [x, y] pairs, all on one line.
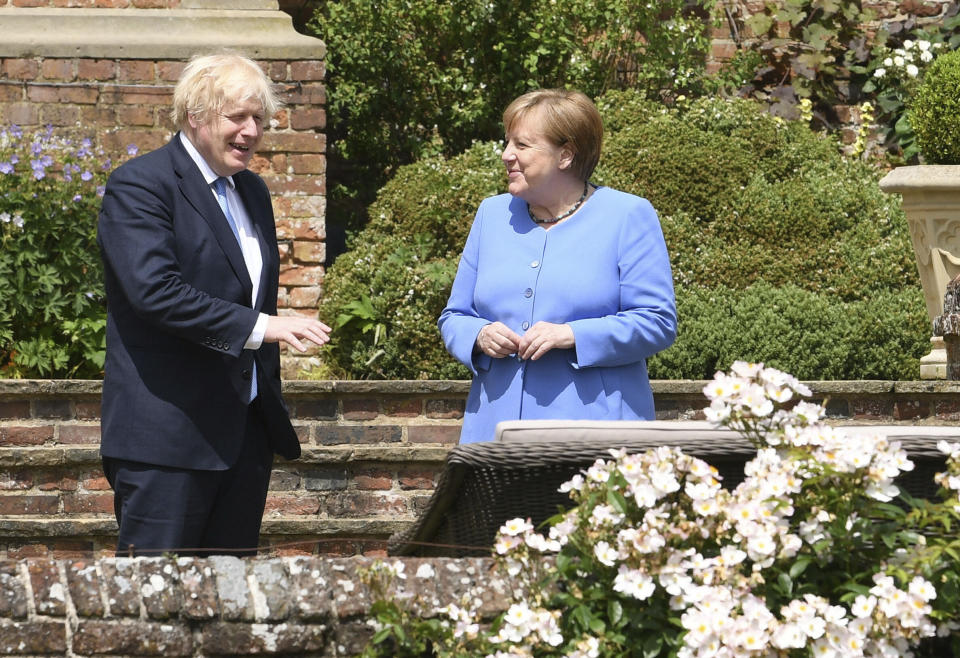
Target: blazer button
{"points": [[246, 374], [226, 347]]}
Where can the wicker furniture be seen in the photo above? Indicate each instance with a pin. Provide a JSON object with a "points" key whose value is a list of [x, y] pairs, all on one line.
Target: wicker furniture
{"points": [[517, 475]]}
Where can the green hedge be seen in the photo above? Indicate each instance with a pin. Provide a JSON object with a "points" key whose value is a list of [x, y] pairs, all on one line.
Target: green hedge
{"points": [[934, 112], [398, 271], [810, 335], [749, 204]]}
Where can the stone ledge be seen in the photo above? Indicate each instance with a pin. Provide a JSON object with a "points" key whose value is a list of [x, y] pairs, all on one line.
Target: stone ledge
{"points": [[75, 456], [174, 34], [405, 453], [276, 527], [297, 388], [339, 528], [49, 456]]}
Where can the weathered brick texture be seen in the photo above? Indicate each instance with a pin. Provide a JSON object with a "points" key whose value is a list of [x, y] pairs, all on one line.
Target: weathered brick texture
{"points": [[372, 452], [302, 606]]}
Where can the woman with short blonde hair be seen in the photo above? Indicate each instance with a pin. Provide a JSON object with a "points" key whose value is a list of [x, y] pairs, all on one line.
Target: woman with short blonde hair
{"points": [[564, 287]]}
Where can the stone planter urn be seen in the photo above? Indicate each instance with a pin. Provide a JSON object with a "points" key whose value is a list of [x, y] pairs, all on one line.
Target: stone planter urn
{"points": [[931, 201]]}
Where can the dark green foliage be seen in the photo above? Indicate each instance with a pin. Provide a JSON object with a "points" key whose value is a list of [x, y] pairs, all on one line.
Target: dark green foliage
{"points": [[404, 263], [657, 160], [768, 227], [746, 197], [812, 49], [934, 112], [412, 78], [811, 335]]}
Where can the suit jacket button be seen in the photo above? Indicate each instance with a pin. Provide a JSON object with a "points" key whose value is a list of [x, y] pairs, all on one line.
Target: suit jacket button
{"points": [[246, 374], [226, 347]]}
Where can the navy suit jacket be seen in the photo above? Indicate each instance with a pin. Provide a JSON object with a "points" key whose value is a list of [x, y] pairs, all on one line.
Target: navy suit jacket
{"points": [[178, 314]]}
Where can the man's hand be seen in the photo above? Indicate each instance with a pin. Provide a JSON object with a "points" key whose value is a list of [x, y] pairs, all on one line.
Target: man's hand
{"points": [[543, 337], [292, 329], [497, 340]]}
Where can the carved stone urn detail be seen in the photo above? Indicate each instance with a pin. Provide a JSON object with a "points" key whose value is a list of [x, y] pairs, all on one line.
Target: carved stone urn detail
{"points": [[931, 202]]}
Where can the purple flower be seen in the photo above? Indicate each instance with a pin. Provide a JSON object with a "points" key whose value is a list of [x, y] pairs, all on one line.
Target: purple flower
{"points": [[67, 176], [6, 167], [86, 175], [16, 131], [100, 190], [132, 149], [77, 197], [39, 170], [14, 158]]}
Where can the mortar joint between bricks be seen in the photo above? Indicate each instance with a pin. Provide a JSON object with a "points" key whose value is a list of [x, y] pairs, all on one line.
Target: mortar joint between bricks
{"points": [[72, 621]]}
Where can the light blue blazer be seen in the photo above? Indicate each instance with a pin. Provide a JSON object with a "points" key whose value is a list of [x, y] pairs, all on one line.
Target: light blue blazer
{"points": [[605, 272]]}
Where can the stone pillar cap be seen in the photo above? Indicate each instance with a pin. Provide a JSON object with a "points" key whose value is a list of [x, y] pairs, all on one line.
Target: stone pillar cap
{"points": [[936, 177], [256, 28]]}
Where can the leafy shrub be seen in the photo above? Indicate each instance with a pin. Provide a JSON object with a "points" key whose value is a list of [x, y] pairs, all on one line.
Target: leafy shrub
{"points": [[404, 262], [896, 72], [747, 201], [935, 111], [412, 78], [814, 335], [827, 229], [52, 318], [811, 48], [746, 197]]}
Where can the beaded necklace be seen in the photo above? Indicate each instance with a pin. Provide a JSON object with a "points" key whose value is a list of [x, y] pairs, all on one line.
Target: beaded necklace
{"points": [[573, 209]]}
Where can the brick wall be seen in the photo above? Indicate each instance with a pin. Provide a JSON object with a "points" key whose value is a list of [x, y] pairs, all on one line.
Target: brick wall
{"points": [[371, 455], [220, 606]]}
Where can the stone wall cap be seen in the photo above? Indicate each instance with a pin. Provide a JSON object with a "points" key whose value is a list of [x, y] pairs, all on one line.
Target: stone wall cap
{"points": [[50, 387], [297, 387], [303, 388], [916, 177], [374, 453], [135, 33]]}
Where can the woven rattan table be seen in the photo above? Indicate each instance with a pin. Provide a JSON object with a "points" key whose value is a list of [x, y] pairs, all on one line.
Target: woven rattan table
{"points": [[482, 485]]}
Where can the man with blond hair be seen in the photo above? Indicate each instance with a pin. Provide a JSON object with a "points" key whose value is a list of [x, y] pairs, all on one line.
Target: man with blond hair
{"points": [[192, 411]]}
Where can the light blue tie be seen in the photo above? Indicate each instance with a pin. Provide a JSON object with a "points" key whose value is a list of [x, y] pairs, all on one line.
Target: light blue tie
{"points": [[220, 185]]}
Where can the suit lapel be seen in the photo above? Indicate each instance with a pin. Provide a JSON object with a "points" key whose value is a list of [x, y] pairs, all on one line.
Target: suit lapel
{"points": [[195, 189]]}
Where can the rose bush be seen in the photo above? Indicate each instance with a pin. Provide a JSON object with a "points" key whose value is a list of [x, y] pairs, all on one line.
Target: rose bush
{"points": [[815, 553]]}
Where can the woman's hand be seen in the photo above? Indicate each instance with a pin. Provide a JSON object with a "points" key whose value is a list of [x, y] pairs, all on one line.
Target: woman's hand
{"points": [[497, 340], [543, 337]]}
